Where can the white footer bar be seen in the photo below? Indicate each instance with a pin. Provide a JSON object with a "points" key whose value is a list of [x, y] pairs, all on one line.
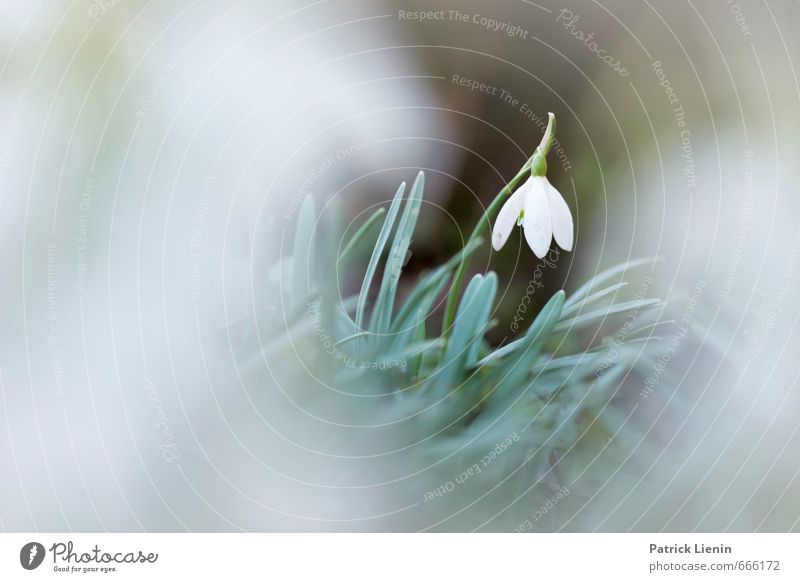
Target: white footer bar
{"points": [[401, 557]]}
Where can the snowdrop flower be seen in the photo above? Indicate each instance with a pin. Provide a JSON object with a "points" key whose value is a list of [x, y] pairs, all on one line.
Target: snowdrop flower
{"points": [[538, 207], [543, 214]]}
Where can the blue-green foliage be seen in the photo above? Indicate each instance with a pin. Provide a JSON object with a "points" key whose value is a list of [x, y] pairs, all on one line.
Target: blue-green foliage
{"points": [[461, 392]]}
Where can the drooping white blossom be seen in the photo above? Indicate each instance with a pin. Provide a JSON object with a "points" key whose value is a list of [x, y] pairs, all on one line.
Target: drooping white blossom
{"points": [[543, 214]]}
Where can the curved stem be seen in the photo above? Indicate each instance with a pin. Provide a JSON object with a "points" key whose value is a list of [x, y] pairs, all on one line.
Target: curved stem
{"points": [[455, 289], [458, 280]]}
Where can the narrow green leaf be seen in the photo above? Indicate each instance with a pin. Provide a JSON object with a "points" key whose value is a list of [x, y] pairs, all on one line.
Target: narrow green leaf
{"points": [[350, 338], [416, 347], [485, 305], [386, 229], [415, 361], [502, 351], [302, 259], [571, 361], [382, 312], [603, 276], [426, 291], [471, 319], [473, 313], [423, 301], [512, 374], [593, 298], [344, 326], [447, 368], [601, 314], [360, 234]]}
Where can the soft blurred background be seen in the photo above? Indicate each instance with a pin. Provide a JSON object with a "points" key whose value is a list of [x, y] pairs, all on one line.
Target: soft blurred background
{"points": [[153, 157]]}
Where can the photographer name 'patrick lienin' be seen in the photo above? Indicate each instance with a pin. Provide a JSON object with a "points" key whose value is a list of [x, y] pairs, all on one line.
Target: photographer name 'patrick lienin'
{"points": [[690, 549]]}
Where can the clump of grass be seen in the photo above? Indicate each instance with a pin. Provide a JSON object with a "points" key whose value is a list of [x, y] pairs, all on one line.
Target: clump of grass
{"points": [[455, 431], [443, 400]]}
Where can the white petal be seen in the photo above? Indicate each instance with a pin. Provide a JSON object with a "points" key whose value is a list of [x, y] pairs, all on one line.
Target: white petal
{"points": [[560, 218], [507, 217], [536, 221]]}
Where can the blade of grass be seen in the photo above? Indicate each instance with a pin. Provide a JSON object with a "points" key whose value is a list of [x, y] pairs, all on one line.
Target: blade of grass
{"points": [[472, 314], [301, 254], [593, 298], [386, 229], [599, 314], [382, 311], [415, 361], [513, 373], [425, 287], [360, 234], [603, 276], [350, 338]]}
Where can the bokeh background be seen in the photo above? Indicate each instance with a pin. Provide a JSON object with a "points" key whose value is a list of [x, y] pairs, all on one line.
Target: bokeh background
{"points": [[153, 157]]}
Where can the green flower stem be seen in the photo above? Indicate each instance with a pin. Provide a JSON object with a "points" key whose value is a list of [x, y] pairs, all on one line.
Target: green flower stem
{"points": [[483, 223], [455, 289]]}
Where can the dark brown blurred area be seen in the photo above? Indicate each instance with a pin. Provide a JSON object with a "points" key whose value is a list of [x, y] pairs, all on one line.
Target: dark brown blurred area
{"points": [[624, 176]]}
